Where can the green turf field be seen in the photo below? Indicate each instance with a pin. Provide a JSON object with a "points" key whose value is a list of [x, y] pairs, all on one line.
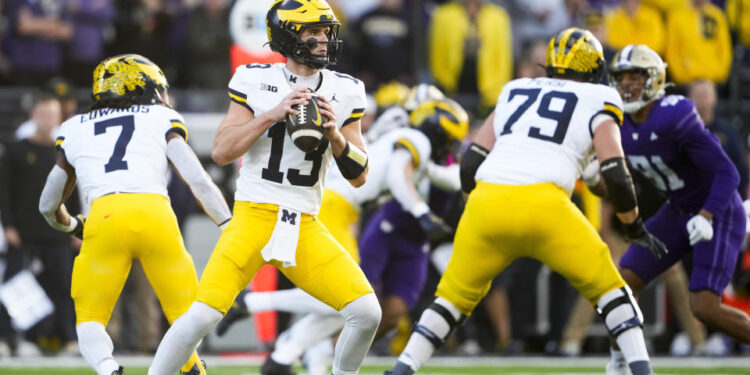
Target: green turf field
{"points": [[434, 370], [376, 366]]}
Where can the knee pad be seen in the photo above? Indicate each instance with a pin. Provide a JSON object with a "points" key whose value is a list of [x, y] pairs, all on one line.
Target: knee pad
{"points": [[363, 311], [619, 311], [438, 322]]}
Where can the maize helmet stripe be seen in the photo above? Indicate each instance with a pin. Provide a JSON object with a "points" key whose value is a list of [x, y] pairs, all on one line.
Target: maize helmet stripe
{"points": [[575, 53]]}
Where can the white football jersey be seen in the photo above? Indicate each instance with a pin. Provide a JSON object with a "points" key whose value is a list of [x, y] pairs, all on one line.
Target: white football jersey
{"points": [[544, 131], [381, 150], [120, 150], [274, 170]]}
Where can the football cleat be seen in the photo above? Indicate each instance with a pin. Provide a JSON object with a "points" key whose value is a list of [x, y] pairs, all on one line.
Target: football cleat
{"points": [[271, 367], [400, 369], [618, 367], [237, 311], [119, 371], [196, 370]]}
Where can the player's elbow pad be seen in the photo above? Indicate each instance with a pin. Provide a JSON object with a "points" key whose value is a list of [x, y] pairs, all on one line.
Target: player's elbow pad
{"points": [[470, 162], [619, 184], [352, 162]]}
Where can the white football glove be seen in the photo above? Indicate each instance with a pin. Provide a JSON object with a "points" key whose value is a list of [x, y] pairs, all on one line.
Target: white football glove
{"points": [[700, 229], [746, 204], [591, 174]]}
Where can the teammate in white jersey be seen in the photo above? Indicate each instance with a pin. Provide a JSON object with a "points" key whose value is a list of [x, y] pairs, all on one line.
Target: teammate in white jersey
{"points": [[280, 187], [119, 150], [540, 135]]}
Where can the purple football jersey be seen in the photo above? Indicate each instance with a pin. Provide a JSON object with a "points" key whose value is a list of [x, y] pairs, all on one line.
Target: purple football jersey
{"points": [[685, 161], [681, 157]]}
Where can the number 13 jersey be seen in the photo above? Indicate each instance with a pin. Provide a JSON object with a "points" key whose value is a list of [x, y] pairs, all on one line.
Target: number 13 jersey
{"points": [[274, 170], [120, 150], [544, 131]]}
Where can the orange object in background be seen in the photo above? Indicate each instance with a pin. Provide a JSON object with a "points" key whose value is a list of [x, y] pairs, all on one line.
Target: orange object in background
{"points": [[240, 56], [265, 322]]}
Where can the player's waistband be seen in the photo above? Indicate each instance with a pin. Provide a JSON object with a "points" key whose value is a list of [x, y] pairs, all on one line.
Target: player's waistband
{"points": [[265, 209], [540, 188], [117, 196]]}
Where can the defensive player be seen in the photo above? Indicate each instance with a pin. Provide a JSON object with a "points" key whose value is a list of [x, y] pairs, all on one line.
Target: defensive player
{"points": [[406, 158], [280, 187], [119, 150], [540, 135], [665, 139]]}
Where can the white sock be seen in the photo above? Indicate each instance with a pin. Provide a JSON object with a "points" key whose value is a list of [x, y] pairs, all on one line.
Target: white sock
{"points": [[96, 347], [318, 357], [288, 300], [418, 348], [362, 317], [632, 345], [303, 334], [182, 338]]}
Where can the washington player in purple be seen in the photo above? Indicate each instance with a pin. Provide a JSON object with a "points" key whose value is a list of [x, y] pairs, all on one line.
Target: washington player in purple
{"points": [[665, 139]]}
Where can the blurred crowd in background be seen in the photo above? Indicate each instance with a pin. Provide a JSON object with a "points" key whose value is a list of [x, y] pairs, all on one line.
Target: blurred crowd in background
{"points": [[467, 48]]}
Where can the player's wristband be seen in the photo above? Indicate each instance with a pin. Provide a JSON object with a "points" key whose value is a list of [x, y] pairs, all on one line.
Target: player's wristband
{"points": [[619, 184], [470, 162], [352, 161]]}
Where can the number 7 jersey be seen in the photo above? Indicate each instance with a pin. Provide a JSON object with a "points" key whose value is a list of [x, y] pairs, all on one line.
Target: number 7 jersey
{"points": [[544, 131], [120, 150]]}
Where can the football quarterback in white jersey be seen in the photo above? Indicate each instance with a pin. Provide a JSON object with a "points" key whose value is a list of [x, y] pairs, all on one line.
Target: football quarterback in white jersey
{"points": [[529, 153], [280, 187], [119, 150], [406, 159]]}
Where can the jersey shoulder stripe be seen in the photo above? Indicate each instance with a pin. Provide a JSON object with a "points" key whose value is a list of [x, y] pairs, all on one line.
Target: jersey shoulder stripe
{"points": [[356, 115], [615, 111], [239, 98], [58, 143], [178, 127], [408, 146]]}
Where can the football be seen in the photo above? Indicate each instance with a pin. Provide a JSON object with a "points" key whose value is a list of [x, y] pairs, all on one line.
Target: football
{"points": [[305, 128]]}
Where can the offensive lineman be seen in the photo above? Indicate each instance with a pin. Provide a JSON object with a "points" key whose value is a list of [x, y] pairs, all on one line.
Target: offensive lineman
{"points": [[119, 151], [280, 187], [540, 135]]}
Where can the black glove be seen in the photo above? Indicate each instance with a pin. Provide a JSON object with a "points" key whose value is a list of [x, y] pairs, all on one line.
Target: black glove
{"points": [[437, 230], [636, 233], [78, 230]]}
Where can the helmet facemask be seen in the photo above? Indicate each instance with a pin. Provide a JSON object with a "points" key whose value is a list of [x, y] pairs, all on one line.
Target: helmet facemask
{"points": [[641, 59], [288, 19]]}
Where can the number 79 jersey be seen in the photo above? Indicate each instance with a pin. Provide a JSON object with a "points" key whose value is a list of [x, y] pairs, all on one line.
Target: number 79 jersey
{"points": [[544, 131], [120, 150]]}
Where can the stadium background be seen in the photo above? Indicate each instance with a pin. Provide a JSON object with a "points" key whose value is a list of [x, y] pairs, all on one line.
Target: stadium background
{"points": [[198, 43]]}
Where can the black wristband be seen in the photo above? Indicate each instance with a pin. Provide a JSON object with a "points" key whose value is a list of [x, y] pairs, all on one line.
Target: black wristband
{"points": [[619, 184], [470, 162], [352, 162]]}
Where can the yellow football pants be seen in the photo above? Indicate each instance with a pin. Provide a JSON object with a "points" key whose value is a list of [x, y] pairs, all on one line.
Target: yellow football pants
{"points": [[123, 227], [324, 269], [504, 222], [342, 220]]}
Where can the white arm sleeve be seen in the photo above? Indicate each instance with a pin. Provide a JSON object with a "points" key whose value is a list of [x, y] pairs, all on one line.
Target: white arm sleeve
{"points": [[205, 191], [401, 188], [444, 177], [51, 198]]}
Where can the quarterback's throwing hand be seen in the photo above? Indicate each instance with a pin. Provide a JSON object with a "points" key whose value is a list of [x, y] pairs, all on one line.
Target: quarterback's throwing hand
{"points": [[636, 233]]}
